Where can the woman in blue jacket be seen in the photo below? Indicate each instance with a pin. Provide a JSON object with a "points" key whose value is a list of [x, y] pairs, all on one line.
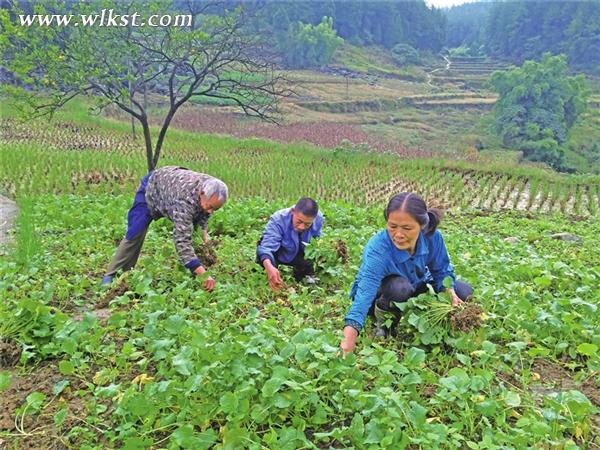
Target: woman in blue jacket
{"points": [[398, 263]]}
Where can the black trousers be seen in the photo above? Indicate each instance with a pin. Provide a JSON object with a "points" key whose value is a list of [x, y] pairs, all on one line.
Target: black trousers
{"points": [[301, 266], [395, 288]]}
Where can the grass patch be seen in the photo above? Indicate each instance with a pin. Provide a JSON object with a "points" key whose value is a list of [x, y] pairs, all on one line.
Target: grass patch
{"points": [[374, 60], [27, 240]]}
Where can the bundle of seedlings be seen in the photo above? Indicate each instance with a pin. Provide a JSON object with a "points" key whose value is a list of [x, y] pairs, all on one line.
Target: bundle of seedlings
{"points": [[207, 252], [434, 316], [465, 317]]}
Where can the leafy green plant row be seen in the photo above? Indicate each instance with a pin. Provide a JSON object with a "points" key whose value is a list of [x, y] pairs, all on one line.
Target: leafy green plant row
{"points": [[252, 169], [176, 367]]}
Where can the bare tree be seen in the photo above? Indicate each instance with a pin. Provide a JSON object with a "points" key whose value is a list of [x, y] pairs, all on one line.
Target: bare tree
{"points": [[211, 55]]}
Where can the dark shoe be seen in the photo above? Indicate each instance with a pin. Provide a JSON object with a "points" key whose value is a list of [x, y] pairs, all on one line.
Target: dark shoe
{"points": [[106, 281], [381, 317], [381, 332]]}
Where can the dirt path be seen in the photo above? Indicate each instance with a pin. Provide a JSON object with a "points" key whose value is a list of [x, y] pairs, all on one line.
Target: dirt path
{"points": [[429, 74], [8, 212]]}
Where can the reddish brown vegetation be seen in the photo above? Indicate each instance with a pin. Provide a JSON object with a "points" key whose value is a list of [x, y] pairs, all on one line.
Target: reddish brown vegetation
{"points": [[322, 134]]}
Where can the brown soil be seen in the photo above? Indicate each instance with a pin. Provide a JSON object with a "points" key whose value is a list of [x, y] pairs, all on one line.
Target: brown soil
{"points": [[40, 428], [467, 318], [10, 352], [429, 391], [550, 372], [591, 390], [102, 314], [557, 378], [101, 308], [113, 292], [509, 378], [342, 251], [207, 253]]}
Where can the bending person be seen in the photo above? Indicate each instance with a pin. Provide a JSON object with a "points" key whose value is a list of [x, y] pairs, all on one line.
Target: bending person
{"points": [[397, 263], [284, 239], [187, 198]]}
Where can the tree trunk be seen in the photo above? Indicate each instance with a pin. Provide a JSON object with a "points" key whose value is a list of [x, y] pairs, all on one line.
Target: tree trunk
{"points": [[148, 140], [163, 132]]}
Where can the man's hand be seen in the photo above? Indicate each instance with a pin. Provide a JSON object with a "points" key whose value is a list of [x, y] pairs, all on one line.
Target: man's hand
{"points": [[205, 236], [455, 298], [349, 342], [273, 275], [209, 283]]}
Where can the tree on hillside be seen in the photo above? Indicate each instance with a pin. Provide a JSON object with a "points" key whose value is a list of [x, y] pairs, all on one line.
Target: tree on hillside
{"points": [[210, 56], [307, 45], [405, 54], [466, 25], [523, 29], [538, 104], [361, 22]]}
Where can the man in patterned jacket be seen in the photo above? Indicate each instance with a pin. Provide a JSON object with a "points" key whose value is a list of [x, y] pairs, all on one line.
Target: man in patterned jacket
{"points": [[187, 198]]}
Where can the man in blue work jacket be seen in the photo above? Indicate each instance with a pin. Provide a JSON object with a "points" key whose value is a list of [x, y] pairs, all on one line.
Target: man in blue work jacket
{"points": [[284, 239]]}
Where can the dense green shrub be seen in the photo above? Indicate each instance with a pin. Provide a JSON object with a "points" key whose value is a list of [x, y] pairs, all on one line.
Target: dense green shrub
{"points": [[307, 45], [538, 104]]}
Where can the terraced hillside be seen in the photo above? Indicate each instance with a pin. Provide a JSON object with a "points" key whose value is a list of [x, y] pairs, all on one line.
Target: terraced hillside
{"points": [[466, 72]]}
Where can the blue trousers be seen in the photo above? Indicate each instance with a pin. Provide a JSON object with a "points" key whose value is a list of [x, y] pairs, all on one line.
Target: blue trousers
{"points": [[138, 217], [138, 221]]}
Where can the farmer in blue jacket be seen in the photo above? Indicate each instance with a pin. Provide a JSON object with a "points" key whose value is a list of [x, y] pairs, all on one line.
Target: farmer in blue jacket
{"points": [[398, 263], [284, 239]]}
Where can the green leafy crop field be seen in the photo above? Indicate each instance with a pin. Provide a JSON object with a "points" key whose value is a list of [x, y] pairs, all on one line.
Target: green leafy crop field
{"points": [[155, 362]]}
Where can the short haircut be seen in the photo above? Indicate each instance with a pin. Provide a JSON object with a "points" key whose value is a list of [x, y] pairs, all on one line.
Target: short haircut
{"points": [[307, 206], [214, 186]]}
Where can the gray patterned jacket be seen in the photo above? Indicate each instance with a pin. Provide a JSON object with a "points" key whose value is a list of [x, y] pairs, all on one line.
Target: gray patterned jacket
{"points": [[174, 192]]}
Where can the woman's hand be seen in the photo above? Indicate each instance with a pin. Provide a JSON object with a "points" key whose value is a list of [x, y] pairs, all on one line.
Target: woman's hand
{"points": [[455, 299], [349, 342]]}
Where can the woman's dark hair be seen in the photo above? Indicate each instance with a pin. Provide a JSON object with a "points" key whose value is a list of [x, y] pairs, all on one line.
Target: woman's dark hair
{"points": [[411, 203]]}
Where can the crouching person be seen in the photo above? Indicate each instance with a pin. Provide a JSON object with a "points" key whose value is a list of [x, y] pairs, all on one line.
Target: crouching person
{"points": [[397, 264], [187, 198], [285, 238]]}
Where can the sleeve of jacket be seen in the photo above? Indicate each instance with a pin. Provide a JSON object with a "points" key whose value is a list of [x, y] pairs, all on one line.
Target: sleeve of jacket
{"points": [[439, 262], [371, 274], [271, 241], [183, 228], [318, 225], [203, 223]]}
